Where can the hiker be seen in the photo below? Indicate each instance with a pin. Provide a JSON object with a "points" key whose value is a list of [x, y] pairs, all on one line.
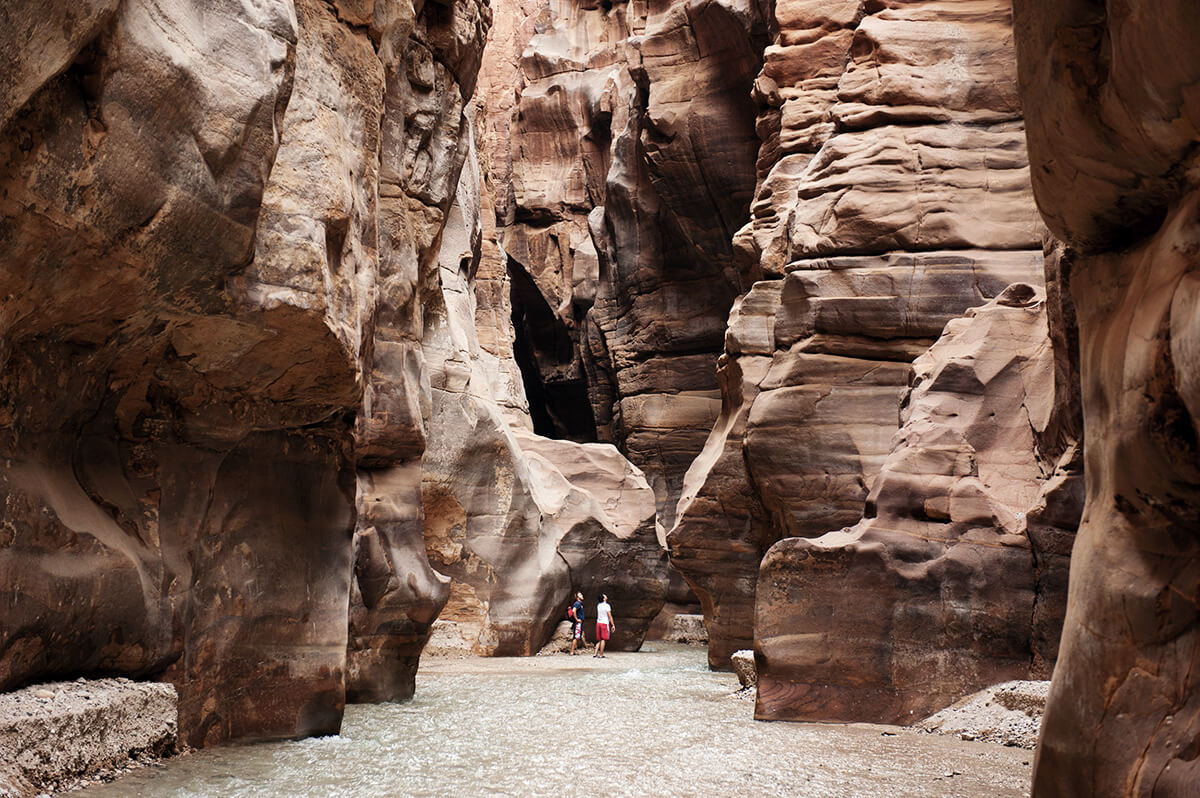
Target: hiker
{"points": [[604, 624], [576, 612]]}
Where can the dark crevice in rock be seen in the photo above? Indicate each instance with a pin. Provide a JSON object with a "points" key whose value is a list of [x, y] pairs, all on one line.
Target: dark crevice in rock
{"points": [[555, 383]]}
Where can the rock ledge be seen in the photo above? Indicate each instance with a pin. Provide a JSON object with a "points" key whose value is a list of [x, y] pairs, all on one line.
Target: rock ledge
{"points": [[56, 736]]}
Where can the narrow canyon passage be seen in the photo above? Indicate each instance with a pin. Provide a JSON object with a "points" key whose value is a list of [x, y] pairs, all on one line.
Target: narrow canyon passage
{"points": [[657, 722]]}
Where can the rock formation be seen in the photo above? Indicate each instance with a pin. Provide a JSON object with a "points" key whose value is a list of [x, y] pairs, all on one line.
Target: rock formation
{"points": [[622, 149], [214, 222], [893, 194], [1110, 94], [519, 521], [930, 596]]}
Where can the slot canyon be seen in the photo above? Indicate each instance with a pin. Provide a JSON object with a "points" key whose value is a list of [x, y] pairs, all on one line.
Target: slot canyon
{"points": [[343, 342]]}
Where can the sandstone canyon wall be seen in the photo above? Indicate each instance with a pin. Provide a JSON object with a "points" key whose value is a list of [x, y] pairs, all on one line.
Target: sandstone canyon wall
{"points": [[811, 192], [309, 341], [519, 521], [215, 217], [1110, 90], [893, 194], [621, 144]]}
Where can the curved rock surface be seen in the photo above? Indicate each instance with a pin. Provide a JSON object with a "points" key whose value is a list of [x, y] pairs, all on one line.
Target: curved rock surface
{"points": [[1113, 150], [214, 219], [893, 194], [622, 149], [928, 598]]}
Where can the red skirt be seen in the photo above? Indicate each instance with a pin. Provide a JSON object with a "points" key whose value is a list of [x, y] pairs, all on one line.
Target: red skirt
{"points": [[601, 631]]}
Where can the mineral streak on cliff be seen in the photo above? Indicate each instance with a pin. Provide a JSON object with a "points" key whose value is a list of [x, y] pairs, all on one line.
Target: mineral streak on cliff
{"points": [[1110, 91]]}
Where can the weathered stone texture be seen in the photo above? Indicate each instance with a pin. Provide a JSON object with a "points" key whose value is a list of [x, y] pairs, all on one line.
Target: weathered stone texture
{"points": [[1113, 153], [214, 222], [892, 195], [930, 596], [622, 169], [518, 521]]}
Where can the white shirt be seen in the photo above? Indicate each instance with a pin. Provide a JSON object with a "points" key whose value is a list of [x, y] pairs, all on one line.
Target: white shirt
{"points": [[603, 611]]}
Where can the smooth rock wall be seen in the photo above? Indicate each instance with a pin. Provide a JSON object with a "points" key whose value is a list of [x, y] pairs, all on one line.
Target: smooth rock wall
{"points": [[622, 150], [517, 521], [929, 597], [1113, 150], [892, 196]]}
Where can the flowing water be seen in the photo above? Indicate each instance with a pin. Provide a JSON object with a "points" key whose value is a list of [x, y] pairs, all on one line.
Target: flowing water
{"points": [[651, 723]]}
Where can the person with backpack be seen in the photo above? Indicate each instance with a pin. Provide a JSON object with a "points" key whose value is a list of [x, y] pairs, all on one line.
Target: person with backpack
{"points": [[575, 615]]}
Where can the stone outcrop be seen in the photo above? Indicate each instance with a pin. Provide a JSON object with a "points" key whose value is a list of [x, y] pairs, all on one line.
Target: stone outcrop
{"points": [[929, 597], [892, 195], [59, 735], [1113, 150], [214, 224]]}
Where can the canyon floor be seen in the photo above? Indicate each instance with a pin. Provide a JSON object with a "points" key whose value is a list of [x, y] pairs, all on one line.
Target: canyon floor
{"points": [[655, 722]]}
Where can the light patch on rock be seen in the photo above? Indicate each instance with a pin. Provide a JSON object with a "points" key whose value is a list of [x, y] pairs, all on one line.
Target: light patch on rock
{"points": [[64, 735], [687, 629], [1009, 713]]}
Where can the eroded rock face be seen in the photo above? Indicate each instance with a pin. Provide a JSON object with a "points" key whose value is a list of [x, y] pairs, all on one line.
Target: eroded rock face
{"points": [[928, 598], [622, 148], [518, 521], [214, 220], [893, 194], [1113, 151]]}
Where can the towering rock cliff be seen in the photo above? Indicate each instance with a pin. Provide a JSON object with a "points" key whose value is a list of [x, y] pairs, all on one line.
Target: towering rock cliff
{"points": [[1110, 91], [214, 221], [893, 195], [257, 365], [622, 147]]}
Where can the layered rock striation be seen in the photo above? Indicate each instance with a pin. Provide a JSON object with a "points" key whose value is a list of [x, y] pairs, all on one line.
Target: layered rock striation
{"points": [[892, 195], [622, 151], [1113, 147]]}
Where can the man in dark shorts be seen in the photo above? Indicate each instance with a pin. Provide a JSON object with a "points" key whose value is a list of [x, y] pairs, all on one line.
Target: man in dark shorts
{"points": [[577, 631]]}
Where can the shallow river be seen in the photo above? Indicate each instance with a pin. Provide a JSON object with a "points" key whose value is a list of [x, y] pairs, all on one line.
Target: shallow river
{"points": [[651, 723]]}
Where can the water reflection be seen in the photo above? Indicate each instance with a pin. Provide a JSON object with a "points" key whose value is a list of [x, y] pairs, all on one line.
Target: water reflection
{"points": [[652, 723]]}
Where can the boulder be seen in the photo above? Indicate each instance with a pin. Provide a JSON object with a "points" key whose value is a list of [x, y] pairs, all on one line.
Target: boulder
{"points": [[688, 629], [744, 667]]}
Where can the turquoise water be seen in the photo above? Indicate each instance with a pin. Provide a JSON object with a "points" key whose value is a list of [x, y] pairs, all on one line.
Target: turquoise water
{"points": [[651, 723]]}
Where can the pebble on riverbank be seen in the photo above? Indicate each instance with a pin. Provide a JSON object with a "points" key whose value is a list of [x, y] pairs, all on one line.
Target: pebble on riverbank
{"points": [[64, 735]]}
